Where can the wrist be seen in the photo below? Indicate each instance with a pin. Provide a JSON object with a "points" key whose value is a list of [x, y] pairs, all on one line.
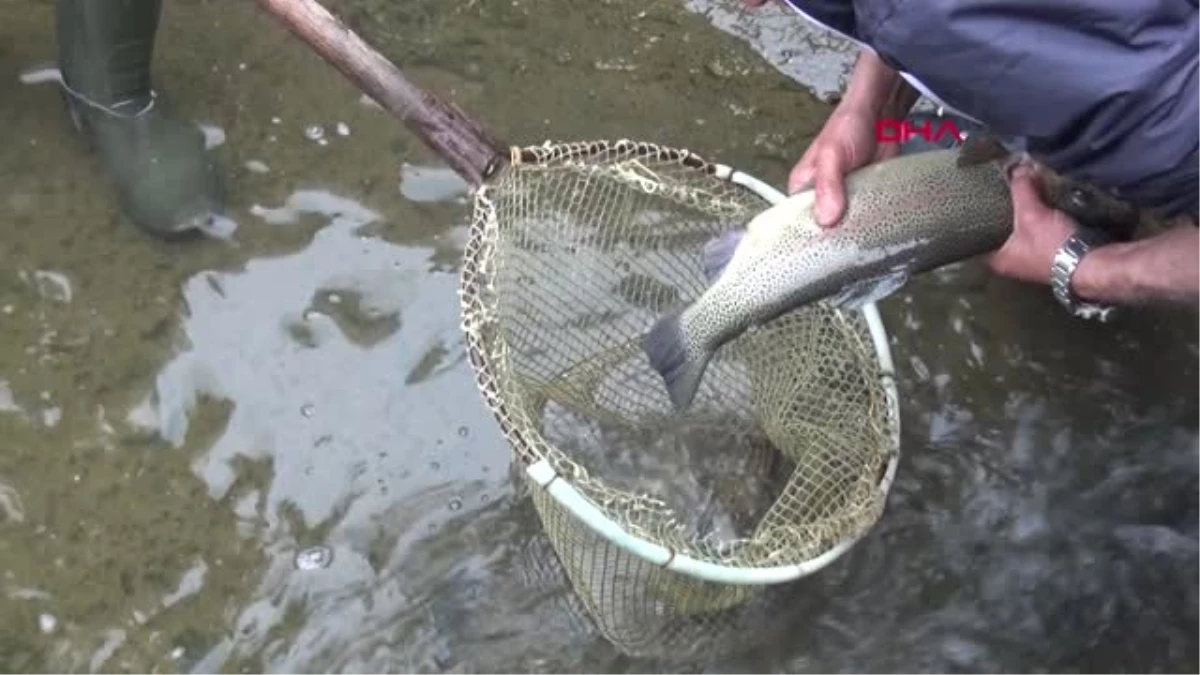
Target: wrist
{"points": [[1099, 273], [873, 87]]}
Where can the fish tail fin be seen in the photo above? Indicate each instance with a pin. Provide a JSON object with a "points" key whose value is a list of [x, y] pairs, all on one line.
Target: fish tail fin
{"points": [[680, 368], [718, 252]]}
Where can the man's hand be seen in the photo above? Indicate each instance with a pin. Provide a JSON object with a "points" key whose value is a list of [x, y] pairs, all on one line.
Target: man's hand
{"points": [[1158, 269], [1038, 232], [845, 143], [847, 140]]}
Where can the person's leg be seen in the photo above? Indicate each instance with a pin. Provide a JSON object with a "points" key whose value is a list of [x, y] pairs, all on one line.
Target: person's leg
{"points": [[165, 178]]}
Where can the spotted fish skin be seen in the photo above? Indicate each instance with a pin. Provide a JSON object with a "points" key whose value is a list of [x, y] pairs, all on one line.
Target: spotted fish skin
{"points": [[904, 216]]}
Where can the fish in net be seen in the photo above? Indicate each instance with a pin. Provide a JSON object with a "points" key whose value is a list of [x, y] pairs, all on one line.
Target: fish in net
{"points": [[574, 252], [670, 526]]}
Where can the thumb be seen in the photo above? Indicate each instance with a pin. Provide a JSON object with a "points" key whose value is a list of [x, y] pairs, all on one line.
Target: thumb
{"points": [[1027, 203], [831, 192]]}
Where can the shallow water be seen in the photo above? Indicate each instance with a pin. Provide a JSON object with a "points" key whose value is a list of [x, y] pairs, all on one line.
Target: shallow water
{"points": [[268, 453]]}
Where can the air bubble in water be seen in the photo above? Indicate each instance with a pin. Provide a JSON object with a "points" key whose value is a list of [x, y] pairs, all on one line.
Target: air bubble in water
{"points": [[314, 132], [308, 409], [455, 504], [314, 558], [463, 431]]}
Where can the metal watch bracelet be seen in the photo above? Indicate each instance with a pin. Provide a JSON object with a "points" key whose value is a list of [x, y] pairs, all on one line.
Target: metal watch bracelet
{"points": [[1062, 270]]}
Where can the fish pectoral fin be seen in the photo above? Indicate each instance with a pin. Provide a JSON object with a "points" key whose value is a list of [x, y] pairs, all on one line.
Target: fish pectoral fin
{"points": [[871, 290], [719, 251]]}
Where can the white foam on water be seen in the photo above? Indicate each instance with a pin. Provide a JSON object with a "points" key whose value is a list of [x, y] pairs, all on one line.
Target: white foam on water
{"points": [[112, 642], [53, 285], [275, 216], [218, 227], [51, 416], [12, 509], [190, 584], [8, 403], [214, 136]]}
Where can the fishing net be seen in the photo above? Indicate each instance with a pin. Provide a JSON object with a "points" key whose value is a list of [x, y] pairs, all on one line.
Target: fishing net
{"points": [[668, 524]]}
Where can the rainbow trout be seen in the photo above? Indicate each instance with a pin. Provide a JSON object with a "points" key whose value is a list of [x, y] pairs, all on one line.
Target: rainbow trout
{"points": [[904, 216]]}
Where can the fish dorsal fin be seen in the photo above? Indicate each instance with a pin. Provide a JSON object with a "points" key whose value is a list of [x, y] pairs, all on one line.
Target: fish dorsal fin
{"points": [[981, 148]]}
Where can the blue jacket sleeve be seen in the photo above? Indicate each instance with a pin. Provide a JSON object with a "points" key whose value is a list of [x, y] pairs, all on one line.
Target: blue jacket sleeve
{"points": [[1102, 90]]}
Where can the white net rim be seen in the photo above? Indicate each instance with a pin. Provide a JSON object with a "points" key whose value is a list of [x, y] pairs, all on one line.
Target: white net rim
{"points": [[571, 499]]}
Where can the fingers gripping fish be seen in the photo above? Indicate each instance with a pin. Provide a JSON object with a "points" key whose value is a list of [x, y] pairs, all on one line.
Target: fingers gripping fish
{"points": [[904, 216]]}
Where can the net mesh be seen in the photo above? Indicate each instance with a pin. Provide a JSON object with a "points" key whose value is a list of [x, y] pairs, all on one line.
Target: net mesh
{"points": [[575, 250]]}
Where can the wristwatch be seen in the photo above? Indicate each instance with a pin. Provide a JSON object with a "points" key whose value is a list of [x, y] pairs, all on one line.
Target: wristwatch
{"points": [[1066, 259]]}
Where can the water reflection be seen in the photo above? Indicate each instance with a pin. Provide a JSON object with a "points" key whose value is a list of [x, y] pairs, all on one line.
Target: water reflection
{"points": [[357, 420]]}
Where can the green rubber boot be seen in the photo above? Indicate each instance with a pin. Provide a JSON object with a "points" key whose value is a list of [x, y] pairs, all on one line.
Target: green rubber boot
{"points": [[167, 183]]}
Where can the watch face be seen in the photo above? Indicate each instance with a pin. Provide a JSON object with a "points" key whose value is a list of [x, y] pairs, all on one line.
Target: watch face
{"points": [[1066, 259]]}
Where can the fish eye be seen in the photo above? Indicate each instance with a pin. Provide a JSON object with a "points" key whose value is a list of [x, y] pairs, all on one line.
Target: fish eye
{"points": [[1079, 197]]}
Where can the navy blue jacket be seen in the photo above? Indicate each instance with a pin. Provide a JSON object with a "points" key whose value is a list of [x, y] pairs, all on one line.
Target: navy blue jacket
{"points": [[1102, 90]]}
